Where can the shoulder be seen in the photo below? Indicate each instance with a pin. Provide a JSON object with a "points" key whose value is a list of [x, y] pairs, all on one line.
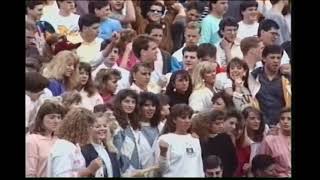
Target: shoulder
{"points": [[32, 138], [63, 147]]}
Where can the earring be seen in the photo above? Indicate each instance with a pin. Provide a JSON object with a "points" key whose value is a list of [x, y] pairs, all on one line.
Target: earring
{"points": [[174, 90]]}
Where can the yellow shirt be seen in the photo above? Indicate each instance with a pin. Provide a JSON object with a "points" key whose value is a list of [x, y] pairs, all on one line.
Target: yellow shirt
{"points": [[88, 52]]}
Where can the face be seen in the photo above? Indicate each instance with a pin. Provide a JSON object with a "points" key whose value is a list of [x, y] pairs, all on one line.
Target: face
{"points": [[148, 109], [250, 14], [230, 124], [112, 84], [104, 12], [270, 37], [253, 121], [51, 122], [181, 84], [158, 34], [272, 62], [92, 32], [155, 13], [69, 69], [117, 4], [221, 6], [150, 55], [210, 76], [68, 5], [257, 52], [30, 38], [217, 126], [165, 110], [128, 104], [142, 76], [237, 71], [113, 56], [285, 121], [193, 15], [36, 12], [100, 129], [183, 123], [217, 172], [230, 33], [268, 172], [219, 105], [84, 77], [192, 36], [190, 60]]}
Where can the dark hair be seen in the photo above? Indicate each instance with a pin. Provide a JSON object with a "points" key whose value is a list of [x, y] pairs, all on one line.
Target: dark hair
{"points": [[285, 110], [157, 4], [272, 49], [227, 21], [152, 26], [212, 2], [45, 109], [247, 4], [213, 162], [35, 82], [235, 62], [136, 68], [191, 48], [163, 99], [261, 162], [96, 5], [171, 85], [247, 43], [178, 110], [89, 87], [215, 115], [194, 5], [273, 2], [141, 42], [88, 20], [102, 108], [259, 134], [149, 96], [206, 49], [121, 115], [226, 98], [234, 113], [267, 25], [70, 97], [31, 4]]}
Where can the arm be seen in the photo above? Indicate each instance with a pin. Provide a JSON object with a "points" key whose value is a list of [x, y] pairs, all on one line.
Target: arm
{"points": [[32, 156], [130, 13], [126, 56], [181, 12]]}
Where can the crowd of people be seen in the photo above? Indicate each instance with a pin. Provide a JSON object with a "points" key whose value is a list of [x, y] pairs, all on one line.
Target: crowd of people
{"points": [[174, 88]]}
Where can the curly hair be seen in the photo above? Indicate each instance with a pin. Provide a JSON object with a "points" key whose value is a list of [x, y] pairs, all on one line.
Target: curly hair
{"points": [[89, 86], [46, 108], [199, 71], [178, 110], [149, 96], [57, 68], [119, 113], [75, 126]]}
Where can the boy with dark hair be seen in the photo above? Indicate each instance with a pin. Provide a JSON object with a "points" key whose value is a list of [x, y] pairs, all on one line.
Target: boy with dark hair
{"points": [[102, 10], [213, 166], [262, 165], [34, 10], [269, 86]]}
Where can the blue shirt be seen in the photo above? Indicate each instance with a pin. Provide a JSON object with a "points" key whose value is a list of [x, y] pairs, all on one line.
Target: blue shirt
{"points": [[107, 27], [56, 87], [209, 30]]}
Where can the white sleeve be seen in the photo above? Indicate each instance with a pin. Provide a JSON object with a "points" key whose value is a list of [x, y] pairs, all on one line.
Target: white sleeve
{"points": [[62, 166]]}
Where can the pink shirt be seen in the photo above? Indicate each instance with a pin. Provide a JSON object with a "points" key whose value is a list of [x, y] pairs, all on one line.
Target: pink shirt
{"points": [[280, 149], [38, 148], [132, 60]]}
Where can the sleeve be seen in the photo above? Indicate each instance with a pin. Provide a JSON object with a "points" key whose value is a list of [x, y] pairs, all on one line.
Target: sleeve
{"points": [[118, 138], [162, 161], [62, 166], [175, 64], [206, 30], [32, 156]]}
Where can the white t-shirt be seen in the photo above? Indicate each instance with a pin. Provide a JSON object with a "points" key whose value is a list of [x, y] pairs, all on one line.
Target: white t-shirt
{"points": [[247, 30], [63, 24], [183, 156]]}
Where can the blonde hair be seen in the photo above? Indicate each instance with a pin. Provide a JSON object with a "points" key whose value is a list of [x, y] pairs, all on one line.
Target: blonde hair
{"points": [[57, 68], [199, 71], [108, 143]]}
